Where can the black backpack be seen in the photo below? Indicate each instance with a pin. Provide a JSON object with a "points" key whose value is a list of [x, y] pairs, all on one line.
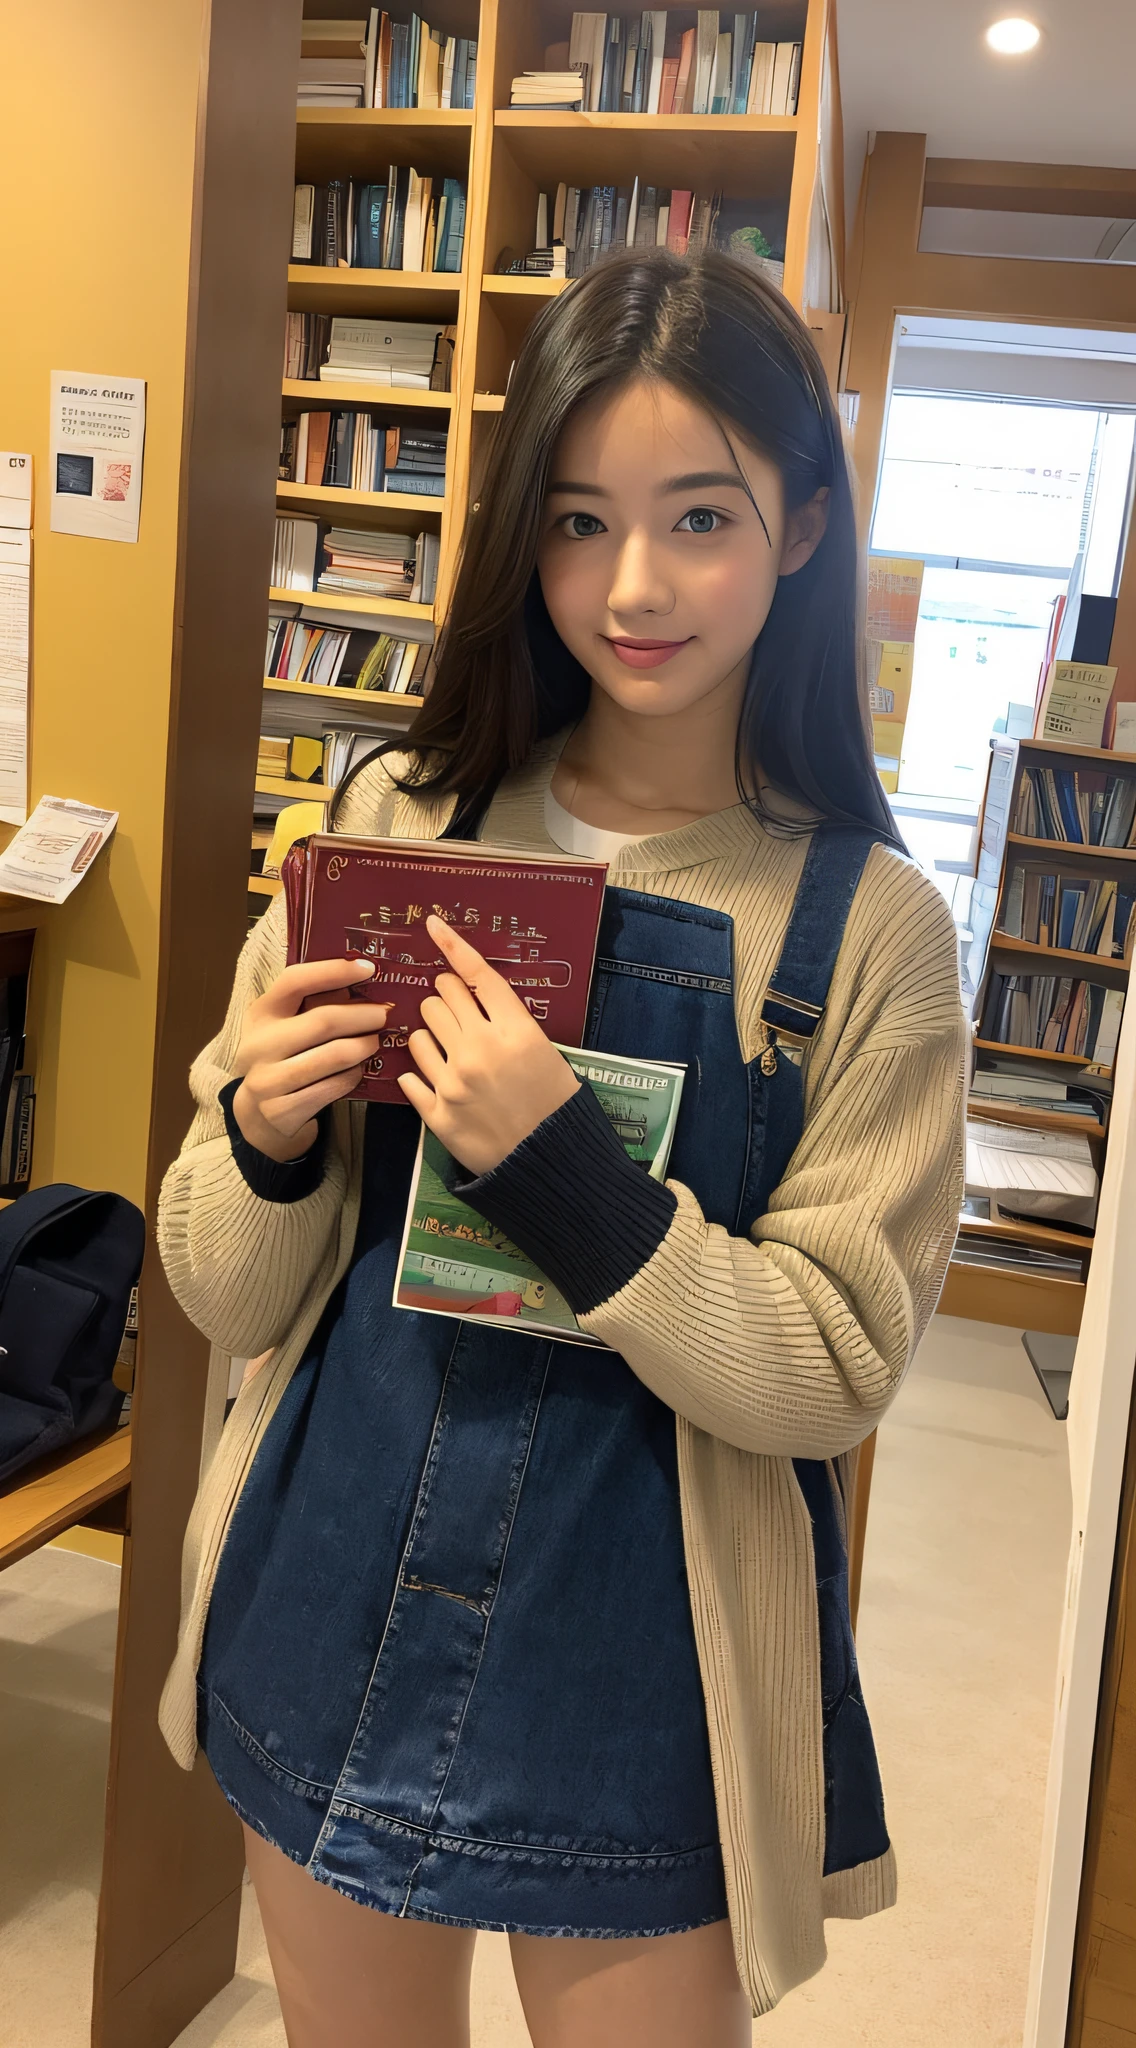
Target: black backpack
{"points": [[69, 1260]]}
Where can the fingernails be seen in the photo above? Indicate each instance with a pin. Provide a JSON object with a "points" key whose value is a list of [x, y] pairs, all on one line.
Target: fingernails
{"points": [[363, 966]]}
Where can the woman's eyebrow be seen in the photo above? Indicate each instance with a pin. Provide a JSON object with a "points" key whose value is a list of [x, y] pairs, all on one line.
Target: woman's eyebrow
{"points": [[579, 490], [703, 480]]}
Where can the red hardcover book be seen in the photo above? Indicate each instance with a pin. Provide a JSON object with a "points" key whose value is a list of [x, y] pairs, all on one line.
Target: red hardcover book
{"points": [[535, 920]]}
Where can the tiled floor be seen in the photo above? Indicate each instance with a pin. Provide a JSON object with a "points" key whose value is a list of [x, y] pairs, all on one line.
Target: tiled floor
{"points": [[958, 1630]]}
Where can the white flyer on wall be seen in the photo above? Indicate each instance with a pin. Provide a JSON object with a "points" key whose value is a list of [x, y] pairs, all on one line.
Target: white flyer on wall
{"points": [[98, 430], [51, 853], [15, 613]]}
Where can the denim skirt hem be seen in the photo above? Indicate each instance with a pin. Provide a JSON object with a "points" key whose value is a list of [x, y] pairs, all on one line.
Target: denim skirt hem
{"points": [[456, 1881]]}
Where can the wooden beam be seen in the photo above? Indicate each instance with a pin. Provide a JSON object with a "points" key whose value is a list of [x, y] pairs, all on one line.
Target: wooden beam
{"points": [[1030, 188], [170, 1897], [61, 1491]]}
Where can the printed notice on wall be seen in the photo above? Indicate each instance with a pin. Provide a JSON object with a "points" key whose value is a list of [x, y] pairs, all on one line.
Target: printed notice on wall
{"points": [[98, 428], [51, 853], [15, 611]]}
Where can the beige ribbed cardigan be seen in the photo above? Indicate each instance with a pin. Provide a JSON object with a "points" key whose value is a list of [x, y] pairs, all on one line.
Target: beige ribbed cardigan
{"points": [[791, 1344]]}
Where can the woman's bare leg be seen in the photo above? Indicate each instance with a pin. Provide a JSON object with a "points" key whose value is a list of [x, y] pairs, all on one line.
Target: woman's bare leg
{"points": [[667, 1991], [349, 1977]]}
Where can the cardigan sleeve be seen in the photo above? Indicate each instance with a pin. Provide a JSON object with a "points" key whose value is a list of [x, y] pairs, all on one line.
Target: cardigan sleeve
{"points": [[239, 1263], [793, 1340]]}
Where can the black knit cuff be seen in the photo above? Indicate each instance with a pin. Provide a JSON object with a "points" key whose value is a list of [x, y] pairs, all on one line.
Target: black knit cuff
{"points": [[274, 1180], [585, 1213]]}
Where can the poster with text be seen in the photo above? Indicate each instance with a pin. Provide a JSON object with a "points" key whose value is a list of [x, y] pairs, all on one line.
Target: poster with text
{"points": [[98, 429]]}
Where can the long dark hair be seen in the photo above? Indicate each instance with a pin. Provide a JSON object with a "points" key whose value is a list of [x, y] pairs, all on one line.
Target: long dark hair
{"points": [[715, 329]]}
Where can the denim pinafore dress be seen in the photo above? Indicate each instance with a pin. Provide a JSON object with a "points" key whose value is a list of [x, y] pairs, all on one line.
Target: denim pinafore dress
{"points": [[449, 1663]]}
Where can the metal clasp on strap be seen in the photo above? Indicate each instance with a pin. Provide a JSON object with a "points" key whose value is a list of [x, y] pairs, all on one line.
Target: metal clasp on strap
{"points": [[767, 1048]]}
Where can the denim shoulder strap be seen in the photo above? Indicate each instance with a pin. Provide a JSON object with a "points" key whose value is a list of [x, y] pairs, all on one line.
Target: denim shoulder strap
{"points": [[797, 993]]}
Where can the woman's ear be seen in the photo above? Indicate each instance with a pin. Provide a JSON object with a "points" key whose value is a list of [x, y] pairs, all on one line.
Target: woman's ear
{"points": [[804, 531]]}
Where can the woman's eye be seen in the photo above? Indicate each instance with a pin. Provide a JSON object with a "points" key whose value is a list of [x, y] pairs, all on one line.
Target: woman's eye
{"points": [[699, 520], [582, 525]]}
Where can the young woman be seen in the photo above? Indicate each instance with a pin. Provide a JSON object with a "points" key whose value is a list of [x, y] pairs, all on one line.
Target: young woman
{"points": [[494, 1632]]}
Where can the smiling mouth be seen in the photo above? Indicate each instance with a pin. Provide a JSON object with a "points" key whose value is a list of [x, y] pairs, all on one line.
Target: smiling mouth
{"points": [[645, 653]]}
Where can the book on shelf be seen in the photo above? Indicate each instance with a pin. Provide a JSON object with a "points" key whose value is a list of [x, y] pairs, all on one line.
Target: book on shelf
{"points": [[330, 82], [535, 919], [335, 654], [1074, 701], [553, 92], [575, 226], [294, 552], [398, 353], [409, 64], [349, 450], [1032, 1176], [454, 1262], [1007, 1088], [1004, 1252], [1068, 911], [640, 64], [1053, 1013], [362, 351], [409, 222], [1082, 806], [364, 563]]}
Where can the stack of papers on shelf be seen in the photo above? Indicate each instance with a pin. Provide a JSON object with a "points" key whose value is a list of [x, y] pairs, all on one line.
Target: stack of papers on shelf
{"points": [[1047, 1176], [331, 82], [393, 352], [367, 563], [294, 552], [558, 91], [1021, 1091]]}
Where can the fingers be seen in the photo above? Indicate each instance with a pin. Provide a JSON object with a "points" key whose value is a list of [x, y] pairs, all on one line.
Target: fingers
{"points": [[420, 1097], [310, 978], [456, 1003], [491, 989], [290, 1076], [288, 1036], [427, 1056]]}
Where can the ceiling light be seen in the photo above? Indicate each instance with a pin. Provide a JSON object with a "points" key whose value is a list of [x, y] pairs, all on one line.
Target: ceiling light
{"points": [[1011, 38]]}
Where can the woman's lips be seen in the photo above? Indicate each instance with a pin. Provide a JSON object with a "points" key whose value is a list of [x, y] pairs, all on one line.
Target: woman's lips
{"points": [[646, 653]]}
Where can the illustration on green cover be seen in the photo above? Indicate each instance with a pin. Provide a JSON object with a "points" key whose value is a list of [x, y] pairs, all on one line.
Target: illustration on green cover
{"points": [[456, 1263]]}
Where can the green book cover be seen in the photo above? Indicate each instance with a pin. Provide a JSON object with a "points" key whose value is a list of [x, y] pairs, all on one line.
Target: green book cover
{"points": [[456, 1263]]}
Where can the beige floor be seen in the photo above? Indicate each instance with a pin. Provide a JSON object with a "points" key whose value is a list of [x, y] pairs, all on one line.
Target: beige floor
{"points": [[958, 1633]]}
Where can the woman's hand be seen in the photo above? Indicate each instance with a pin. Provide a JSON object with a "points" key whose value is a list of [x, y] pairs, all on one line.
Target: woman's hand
{"points": [[489, 1074], [295, 1061]]}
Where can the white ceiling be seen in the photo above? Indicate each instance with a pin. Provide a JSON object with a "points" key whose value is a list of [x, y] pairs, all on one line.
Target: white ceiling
{"points": [[923, 65]]}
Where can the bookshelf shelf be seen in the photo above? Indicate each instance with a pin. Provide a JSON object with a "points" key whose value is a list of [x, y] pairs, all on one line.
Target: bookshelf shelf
{"points": [[743, 156], [357, 141], [523, 287], [1034, 1052], [365, 394], [1103, 756], [1004, 1294], [1047, 1236], [989, 1110], [370, 501], [366, 294], [263, 885], [333, 601], [1001, 943], [61, 1491], [375, 280], [488, 401], [1054, 847], [298, 792], [384, 701]]}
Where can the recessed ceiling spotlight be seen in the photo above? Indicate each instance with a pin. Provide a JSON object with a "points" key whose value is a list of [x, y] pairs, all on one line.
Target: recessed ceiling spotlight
{"points": [[1011, 38]]}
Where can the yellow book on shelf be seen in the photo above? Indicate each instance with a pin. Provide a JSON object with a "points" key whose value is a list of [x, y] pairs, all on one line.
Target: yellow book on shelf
{"points": [[305, 758]]}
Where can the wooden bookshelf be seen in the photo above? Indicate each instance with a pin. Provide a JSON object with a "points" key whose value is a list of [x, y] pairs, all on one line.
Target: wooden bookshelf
{"points": [[393, 608], [297, 792], [264, 885], [327, 496], [1001, 851], [380, 701], [391, 397]]}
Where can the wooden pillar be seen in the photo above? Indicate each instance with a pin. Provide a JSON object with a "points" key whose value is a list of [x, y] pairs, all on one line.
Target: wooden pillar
{"points": [[158, 141]]}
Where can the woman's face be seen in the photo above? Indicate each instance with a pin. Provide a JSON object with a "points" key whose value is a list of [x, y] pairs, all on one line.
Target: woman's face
{"points": [[657, 568]]}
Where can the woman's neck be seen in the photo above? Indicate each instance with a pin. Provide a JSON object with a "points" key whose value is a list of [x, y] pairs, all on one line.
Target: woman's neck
{"points": [[624, 772]]}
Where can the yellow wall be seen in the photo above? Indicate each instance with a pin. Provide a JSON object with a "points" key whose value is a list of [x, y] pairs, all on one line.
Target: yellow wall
{"points": [[97, 165]]}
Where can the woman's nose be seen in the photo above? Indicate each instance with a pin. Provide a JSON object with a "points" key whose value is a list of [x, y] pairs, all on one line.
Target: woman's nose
{"points": [[639, 583]]}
